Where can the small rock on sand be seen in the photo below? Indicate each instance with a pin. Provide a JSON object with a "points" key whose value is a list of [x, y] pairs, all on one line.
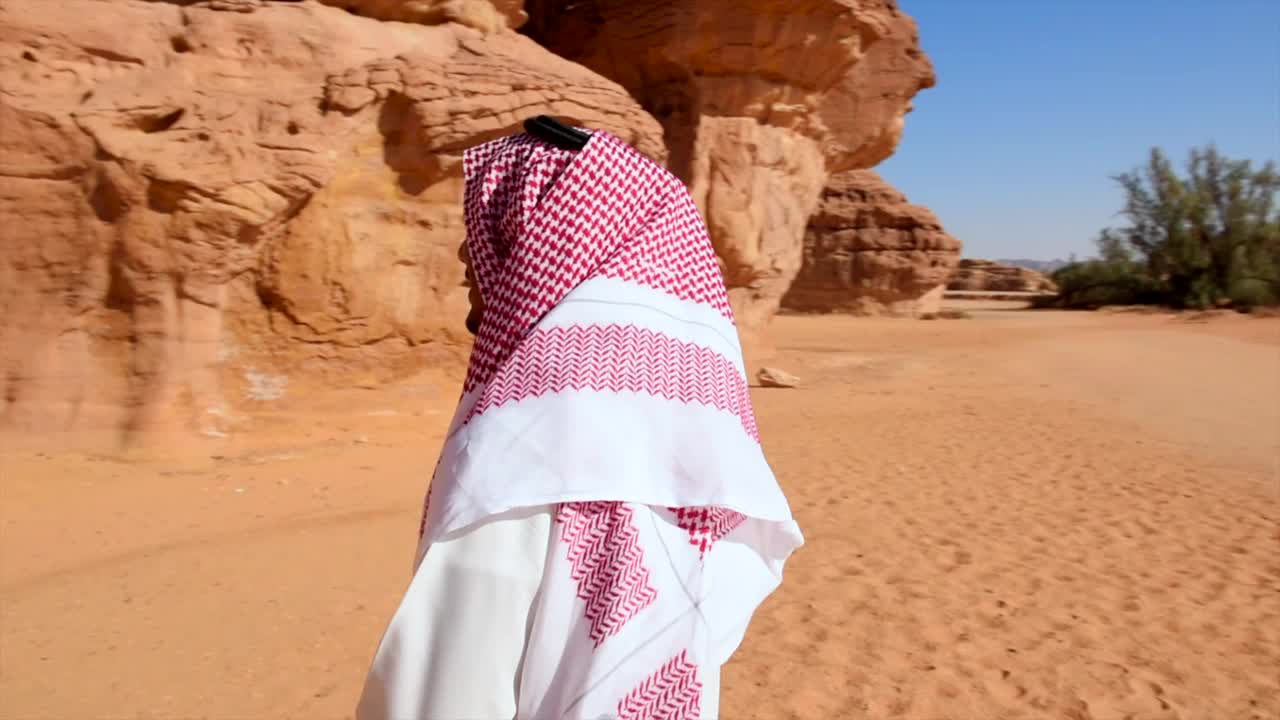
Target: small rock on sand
{"points": [[772, 377]]}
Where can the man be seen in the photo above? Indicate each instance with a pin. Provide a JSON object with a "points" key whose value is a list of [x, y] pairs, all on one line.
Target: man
{"points": [[602, 522]]}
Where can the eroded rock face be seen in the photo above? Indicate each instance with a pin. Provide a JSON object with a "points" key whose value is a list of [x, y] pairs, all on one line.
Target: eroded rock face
{"points": [[989, 276], [483, 15], [761, 100], [868, 250], [185, 188], [203, 197]]}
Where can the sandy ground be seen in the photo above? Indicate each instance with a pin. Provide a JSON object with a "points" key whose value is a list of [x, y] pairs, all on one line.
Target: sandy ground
{"points": [[1016, 515]]}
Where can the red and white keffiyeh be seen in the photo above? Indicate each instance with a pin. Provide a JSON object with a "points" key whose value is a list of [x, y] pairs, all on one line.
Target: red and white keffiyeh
{"points": [[606, 388], [607, 365]]}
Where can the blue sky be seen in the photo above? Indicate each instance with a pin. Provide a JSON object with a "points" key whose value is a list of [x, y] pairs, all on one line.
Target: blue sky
{"points": [[1040, 102]]}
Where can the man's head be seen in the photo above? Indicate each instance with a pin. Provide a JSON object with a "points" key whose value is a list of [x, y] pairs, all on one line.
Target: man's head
{"points": [[542, 220]]}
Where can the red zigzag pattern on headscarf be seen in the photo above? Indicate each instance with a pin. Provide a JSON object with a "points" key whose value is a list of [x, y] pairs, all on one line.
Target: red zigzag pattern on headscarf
{"points": [[541, 220], [620, 358], [607, 562], [672, 693]]}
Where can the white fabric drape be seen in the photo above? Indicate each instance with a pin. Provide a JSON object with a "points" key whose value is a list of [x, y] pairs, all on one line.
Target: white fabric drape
{"points": [[584, 611], [454, 646]]}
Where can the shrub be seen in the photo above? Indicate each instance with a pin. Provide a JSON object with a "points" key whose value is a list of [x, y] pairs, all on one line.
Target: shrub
{"points": [[1209, 239]]}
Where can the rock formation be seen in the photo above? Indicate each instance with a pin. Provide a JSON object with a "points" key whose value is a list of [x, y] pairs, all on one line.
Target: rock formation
{"points": [[197, 192], [761, 100], [868, 250], [775, 378], [287, 172], [484, 15], [989, 276]]}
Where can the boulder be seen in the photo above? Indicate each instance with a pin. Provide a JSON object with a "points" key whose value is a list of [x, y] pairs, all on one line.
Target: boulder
{"points": [[972, 275], [867, 250], [775, 378]]}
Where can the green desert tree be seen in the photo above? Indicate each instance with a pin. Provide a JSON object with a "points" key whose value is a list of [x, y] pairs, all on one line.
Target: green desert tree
{"points": [[1209, 237]]}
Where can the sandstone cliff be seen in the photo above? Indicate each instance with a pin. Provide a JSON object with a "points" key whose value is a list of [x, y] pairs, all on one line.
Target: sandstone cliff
{"points": [[273, 182], [989, 276], [761, 100], [202, 198], [484, 15], [868, 250]]}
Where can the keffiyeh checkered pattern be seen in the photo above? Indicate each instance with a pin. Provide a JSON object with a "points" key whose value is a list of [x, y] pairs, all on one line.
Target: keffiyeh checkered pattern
{"points": [[541, 220]]}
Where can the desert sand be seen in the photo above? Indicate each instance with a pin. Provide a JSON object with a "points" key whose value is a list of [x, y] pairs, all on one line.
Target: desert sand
{"points": [[1015, 515]]}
